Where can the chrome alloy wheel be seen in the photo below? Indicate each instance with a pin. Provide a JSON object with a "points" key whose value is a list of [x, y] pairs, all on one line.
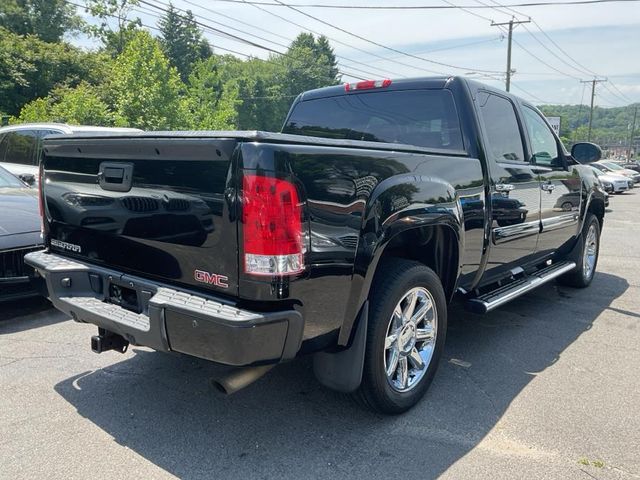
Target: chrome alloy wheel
{"points": [[410, 339], [590, 252]]}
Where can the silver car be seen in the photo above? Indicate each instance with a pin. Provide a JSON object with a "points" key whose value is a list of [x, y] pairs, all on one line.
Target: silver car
{"points": [[19, 144], [612, 167]]}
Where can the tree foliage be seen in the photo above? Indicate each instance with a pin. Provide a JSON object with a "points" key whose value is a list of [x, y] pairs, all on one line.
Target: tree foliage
{"points": [[610, 126], [146, 89], [116, 27], [182, 41], [81, 105], [31, 68], [211, 104], [48, 20]]}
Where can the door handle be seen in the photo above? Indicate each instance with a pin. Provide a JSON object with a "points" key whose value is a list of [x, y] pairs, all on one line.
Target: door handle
{"points": [[504, 187], [548, 187]]}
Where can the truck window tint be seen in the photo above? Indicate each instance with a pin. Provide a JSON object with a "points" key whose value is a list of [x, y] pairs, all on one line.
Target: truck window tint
{"points": [[21, 147], [504, 141], [543, 142], [425, 118]]}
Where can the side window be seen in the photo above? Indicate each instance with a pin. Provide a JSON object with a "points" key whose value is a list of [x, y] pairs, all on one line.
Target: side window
{"points": [[21, 147], [543, 142], [501, 125]]}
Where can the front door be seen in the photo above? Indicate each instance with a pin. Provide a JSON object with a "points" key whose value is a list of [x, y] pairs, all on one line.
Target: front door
{"points": [[515, 186], [560, 184]]}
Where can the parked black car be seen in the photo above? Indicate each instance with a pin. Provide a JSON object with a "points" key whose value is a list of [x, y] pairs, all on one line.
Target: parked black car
{"points": [[19, 234], [346, 236]]}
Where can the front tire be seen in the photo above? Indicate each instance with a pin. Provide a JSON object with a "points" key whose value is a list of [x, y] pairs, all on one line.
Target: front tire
{"points": [[585, 269], [405, 336]]}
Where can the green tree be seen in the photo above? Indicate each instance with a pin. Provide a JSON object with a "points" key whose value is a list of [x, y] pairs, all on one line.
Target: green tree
{"points": [[81, 105], [31, 68], [145, 88], [182, 41], [309, 64], [110, 12], [49, 20], [261, 102], [212, 105]]}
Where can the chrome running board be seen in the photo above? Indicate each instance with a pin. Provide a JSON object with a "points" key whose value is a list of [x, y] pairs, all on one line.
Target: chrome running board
{"points": [[501, 295]]}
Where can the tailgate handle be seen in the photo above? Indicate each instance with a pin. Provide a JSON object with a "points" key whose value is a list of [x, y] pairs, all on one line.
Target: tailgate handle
{"points": [[115, 176]]}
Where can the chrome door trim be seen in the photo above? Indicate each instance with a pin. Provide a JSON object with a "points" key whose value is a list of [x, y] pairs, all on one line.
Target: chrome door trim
{"points": [[559, 221], [511, 232]]}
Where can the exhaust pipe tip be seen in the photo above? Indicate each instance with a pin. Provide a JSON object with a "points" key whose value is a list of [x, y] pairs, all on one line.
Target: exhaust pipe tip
{"points": [[240, 378], [219, 386]]}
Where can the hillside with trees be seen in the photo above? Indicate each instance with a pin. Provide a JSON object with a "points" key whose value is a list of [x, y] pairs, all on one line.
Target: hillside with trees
{"points": [[175, 79], [611, 126]]}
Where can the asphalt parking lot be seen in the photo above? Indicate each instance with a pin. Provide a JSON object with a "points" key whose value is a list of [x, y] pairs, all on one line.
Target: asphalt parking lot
{"points": [[545, 387]]}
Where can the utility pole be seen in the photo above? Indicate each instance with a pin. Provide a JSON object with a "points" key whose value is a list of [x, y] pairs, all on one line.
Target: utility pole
{"points": [[511, 23], [593, 96], [631, 134]]}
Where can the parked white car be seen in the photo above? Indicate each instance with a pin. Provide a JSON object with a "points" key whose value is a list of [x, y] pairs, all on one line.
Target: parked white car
{"points": [[611, 182], [612, 167], [19, 144]]}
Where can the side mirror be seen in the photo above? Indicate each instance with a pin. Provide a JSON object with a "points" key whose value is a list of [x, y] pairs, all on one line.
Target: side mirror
{"points": [[585, 152], [28, 178]]}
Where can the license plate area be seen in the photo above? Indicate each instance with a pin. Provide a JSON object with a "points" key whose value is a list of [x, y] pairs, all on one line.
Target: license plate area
{"points": [[124, 297]]}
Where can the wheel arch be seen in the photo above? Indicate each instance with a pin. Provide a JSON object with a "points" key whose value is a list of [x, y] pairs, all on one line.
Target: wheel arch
{"points": [[437, 245]]}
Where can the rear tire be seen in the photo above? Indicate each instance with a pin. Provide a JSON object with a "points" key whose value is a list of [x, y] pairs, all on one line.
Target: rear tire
{"points": [[405, 336], [585, 269]]}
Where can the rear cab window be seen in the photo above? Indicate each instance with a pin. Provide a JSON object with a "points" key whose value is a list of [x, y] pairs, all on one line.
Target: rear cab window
{"points": [[424, 118], [504, 139]]}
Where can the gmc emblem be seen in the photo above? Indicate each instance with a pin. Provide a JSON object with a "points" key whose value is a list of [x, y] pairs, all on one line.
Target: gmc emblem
{"points": [[211, 278]]}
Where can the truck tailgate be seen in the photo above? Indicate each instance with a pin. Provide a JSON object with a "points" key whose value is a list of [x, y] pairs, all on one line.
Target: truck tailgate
{"points": [[156, 207]]}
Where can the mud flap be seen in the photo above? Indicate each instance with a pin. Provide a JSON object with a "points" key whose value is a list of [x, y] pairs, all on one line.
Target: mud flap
{"points": [[342, 371]]}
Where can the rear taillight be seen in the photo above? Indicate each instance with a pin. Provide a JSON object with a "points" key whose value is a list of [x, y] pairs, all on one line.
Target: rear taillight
{"points": [[273, 237], [366, 85]]}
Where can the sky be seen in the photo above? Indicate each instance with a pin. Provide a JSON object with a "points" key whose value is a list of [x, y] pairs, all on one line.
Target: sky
{"points": [[578, 41]]}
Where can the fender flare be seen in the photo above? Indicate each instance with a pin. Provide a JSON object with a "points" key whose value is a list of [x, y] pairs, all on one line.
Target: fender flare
{"points": [[377, 233]]}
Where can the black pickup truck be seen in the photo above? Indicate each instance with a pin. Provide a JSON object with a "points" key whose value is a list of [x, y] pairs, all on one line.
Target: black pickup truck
{"points": [[345, 236]]}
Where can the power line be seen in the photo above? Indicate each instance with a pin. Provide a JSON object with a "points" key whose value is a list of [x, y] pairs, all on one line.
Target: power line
{"points": [[283, 37], [391, 49], [581, 71], [156, 15], [336, 40], [467, 10], [479, 42], [330, 38], [216, 12], [535, 97], [424, 7], [206, 28], [234, 37], [545, 63]]}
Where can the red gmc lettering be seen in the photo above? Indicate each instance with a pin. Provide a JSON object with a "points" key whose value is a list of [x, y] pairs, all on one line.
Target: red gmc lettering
{"points": [[211, 278]]}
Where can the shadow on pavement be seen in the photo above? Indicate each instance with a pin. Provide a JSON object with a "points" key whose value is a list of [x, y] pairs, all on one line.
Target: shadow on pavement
{"points": [[19, 315], [165, 409]]}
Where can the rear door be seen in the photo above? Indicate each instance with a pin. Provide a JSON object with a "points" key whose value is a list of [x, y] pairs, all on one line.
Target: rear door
{"points": [[160, 208], [515, 185], [560, 184]]}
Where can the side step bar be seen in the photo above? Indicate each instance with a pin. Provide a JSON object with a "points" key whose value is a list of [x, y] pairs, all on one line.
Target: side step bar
{"points": [[493, 299]]}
